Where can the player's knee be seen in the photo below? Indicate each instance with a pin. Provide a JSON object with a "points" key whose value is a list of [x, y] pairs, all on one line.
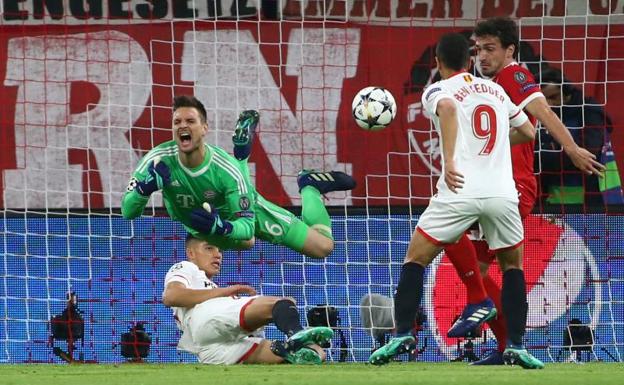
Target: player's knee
{"points": [[484, 267], [248, 244], [323, 248], [320, 351], [322, 354]]}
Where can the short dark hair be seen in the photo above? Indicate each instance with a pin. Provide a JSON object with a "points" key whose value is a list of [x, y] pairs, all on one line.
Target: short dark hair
{"points": [[190, 101], [190, 238], [504, 28], [453, 51]]}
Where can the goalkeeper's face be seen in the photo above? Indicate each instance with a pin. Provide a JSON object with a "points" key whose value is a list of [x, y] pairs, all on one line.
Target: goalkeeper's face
{"points": [[206, 256], [188, 129]]}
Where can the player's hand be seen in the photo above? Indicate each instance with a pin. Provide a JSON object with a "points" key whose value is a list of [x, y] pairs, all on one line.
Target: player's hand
{"points": [[207, 220], [242, 289], [585, 160], [453, 178], [158, 176]]}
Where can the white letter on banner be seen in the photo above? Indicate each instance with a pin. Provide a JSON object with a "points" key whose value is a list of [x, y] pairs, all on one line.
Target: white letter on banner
{"points": [[231, 75], [43, 68]]}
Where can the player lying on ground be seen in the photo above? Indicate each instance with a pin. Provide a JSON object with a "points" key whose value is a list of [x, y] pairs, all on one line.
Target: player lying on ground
{"points": [[497, 45], [220, 327], [210, 193], [473, 116]]}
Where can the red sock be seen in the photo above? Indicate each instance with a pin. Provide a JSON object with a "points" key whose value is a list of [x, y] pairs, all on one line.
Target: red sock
{"points": [[464, 258], [498, 324]]}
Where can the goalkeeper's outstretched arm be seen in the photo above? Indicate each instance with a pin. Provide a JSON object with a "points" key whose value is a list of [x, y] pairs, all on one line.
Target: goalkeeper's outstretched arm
{"points": [[133, 204]]}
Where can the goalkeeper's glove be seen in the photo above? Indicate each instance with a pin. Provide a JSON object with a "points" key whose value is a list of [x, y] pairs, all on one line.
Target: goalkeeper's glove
{"points": [[158, 176], [208, 221]]}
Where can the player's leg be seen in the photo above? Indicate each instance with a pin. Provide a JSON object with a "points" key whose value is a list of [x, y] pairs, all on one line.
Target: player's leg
{"points": [[480, 308], [436, 227], [421, 251], [503, 229], [319, 242], [498, 325], [284, 314], [279, 226], [244, 133], [272, 352], [463, 256]]}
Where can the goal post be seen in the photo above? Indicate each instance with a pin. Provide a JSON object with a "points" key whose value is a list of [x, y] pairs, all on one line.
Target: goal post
{"points": [[86, 90]]}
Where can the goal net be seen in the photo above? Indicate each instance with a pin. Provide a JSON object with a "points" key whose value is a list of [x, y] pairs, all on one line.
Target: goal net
{"points": [[86, 90]]}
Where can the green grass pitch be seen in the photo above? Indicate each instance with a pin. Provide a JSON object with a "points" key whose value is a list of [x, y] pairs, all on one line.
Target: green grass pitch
{"points": [[349, 374]]}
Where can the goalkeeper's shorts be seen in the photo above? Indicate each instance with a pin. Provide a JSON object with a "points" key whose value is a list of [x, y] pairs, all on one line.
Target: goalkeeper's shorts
{"points": [[279, 226]]}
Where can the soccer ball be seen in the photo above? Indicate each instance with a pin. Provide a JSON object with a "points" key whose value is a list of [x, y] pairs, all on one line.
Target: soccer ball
{"points": [[373, 108]]}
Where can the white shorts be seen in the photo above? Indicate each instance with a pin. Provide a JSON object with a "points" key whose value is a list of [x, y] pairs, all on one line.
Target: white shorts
{"points": [[218, 327], [229, 353], [444, 221]]}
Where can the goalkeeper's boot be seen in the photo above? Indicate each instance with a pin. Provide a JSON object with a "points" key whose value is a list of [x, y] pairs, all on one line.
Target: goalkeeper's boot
{"points": [[520, 356], [494, 358], [319, 335], [471, 318], [244, 133], [325, 182], [393, 348]]}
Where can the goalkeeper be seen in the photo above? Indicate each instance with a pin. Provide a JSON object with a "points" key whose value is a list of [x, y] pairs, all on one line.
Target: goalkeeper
{"points": [[210, 192]]}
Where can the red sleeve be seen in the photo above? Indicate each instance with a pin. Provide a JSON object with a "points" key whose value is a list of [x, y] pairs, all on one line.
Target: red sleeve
{"points": [[518, 83]]}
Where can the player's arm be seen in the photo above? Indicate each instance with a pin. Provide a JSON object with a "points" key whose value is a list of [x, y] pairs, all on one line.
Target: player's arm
{"points": [[523, 134], [239, 197], [522, 130], [176, 294], [447, 112], [582, 159], [150, 175]]}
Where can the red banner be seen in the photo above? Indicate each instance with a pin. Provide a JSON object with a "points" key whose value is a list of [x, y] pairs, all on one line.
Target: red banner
{"points": [[81, 104]]}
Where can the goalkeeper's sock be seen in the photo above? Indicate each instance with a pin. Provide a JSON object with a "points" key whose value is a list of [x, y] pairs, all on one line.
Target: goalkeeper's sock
{"points": [[286, 317], [407, 297], [515, 306], [313, 211], [463, 256]]}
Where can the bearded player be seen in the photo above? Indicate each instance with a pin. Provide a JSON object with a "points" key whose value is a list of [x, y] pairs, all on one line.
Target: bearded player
{"points": [[497, 45]]}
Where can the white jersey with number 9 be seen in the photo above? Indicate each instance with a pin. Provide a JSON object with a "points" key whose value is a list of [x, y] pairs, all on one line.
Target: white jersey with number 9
{"points": [[482, 152]]}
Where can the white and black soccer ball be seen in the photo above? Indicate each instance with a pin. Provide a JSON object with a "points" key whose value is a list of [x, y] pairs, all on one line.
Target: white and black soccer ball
{"points": [[373, 108]]}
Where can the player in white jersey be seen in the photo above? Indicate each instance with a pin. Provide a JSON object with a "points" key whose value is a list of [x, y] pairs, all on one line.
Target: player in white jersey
{"points": [[220, 327], [473, 119]]}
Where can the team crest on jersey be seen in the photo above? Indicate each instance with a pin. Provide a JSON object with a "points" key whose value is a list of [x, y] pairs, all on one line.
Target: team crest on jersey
{"points": [[244, 203], [468, 78], [209, 194], [520, 77]]}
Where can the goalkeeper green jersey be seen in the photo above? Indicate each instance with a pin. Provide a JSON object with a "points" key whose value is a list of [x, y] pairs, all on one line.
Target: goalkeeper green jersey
{"points": [[219, 181]]}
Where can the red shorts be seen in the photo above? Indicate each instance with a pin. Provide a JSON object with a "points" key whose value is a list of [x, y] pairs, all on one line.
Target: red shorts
{"points": [[525, 206]]}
